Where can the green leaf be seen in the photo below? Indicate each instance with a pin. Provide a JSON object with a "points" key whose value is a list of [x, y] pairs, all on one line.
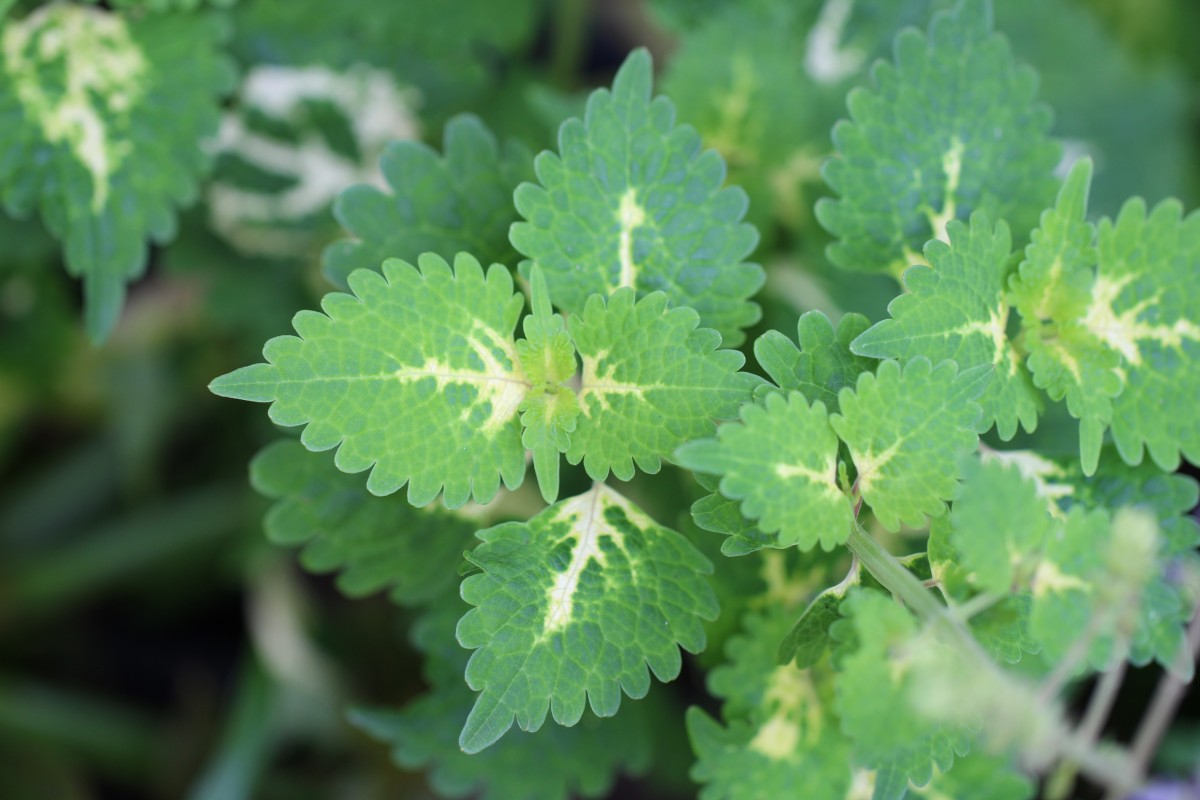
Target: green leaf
{"points": [[956, 310], [461, 201], [452, 63], [1143, 308], [555, 762], [808, 638], [722, 515], [890, 783], [1171, 497], [757, 105], [1162, 602], [1122, 342], [415, 375], [1000, 525], [1067, 580], [573, 606], [373, 542], [1108, 577], [982, 144], [651, 381], [781, 462], [1051, 290], [631, 201], [824, 362], [906, 430], [980, 777], [296, 138], [781, 740], [1003, 630], [549, 411], [743, 681], [103, 116], [875, 691]]}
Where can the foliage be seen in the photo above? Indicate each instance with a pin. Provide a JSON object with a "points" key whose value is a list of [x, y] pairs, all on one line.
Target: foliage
{"points": [[958, 494]]}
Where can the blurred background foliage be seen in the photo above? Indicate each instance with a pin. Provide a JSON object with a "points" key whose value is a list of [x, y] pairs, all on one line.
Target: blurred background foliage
{"points": [[153, 644]]}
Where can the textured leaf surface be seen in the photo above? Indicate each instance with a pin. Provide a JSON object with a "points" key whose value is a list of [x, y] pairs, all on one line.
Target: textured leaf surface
{"points": [[1143, 307], [101, 117], [1003, 630], [808, 638], [373, 542], [1171, 497], [415, 374], [1066, 583], [1120, 342], [983, 144], [1107, 575], [780, 739], [550, 410], [1162, 603], [980, 777], [1051, 289], [875, 693], [631, 201], [822, 364], [651, 381], [577, 605], [956, 309], [554, 763], [906, 431], [757, 105], [719, 514], [781, 462], [1000, 524], [458, 202]]}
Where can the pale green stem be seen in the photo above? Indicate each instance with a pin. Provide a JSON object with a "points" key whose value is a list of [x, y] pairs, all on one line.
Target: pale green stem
{"points": [[1062, 782], [1105, 769], [1167, 696]]}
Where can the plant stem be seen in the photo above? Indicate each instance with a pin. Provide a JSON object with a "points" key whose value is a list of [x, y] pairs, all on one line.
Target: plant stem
{"points": [[1158, 716], [1062, 782], [1069, 663], [1101, 701], [1103, 768], [893, 575], [910, 590], [977, 605]]}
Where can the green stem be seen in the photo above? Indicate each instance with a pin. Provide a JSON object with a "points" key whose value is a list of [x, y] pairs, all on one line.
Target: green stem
{"points": [[977, 605], [1062, 783], [1154, 724], [1101, 767], [893, 575]]}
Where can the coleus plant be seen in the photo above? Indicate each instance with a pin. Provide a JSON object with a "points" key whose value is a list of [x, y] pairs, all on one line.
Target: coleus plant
{"points": [[934, 673]]}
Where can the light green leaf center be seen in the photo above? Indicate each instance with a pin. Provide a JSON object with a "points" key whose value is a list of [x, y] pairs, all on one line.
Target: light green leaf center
{"points": [[584, 516], [631, 216], [1123, 331]]}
